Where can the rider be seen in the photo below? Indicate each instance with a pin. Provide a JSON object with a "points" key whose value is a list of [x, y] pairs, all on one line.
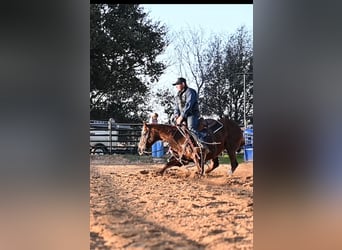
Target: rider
{"points": [[186, 108]]}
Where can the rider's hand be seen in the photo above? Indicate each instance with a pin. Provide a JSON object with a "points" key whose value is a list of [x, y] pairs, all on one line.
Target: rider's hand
{"points": [[174, 119], [179, 120]]}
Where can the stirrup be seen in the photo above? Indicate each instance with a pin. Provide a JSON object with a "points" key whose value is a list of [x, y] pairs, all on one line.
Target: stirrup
{"points": [[203, 148]]}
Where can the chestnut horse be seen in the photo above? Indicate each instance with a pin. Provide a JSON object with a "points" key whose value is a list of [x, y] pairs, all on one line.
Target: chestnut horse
{"points": [[221, 134]]}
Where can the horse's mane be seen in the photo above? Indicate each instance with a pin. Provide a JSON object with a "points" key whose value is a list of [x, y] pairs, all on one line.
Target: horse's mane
{"points": [[162, 126]]}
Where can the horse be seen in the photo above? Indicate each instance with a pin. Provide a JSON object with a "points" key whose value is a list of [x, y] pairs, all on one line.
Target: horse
{"points": [[222, 134]]}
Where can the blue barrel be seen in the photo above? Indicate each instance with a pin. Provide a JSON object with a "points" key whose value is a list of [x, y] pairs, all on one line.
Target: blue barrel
{"points": [[248, 153], [158, 149], [248, 148]]}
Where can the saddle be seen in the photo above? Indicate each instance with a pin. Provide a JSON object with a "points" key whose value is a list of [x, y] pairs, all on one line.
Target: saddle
{"points": [[207, 128], [208, 125]]}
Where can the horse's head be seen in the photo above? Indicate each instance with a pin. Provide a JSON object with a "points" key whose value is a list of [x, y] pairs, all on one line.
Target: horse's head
{"points": [[146, 139]]}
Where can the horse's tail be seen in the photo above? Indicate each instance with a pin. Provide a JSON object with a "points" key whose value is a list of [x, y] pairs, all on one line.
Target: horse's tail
{"points": [[243, 142]]}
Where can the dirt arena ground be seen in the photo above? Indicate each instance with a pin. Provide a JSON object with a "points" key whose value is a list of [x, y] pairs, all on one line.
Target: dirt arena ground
{"points": [[133, 208]]}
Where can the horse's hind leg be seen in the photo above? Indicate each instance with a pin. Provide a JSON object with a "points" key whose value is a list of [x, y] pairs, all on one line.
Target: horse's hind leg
{"points": [[233, 161], [214, 163]]}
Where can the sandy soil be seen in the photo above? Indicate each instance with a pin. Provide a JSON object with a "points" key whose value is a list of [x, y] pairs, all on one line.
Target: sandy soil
{"points": [[133, 208]]}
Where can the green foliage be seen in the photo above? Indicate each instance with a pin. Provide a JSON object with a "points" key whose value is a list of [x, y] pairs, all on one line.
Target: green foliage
{"points": [[166, 100], [123, 49], [227, 61], [224, 159]]}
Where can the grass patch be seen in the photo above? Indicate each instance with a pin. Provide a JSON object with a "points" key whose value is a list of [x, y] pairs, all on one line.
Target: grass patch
{"points": [[225, 158]]}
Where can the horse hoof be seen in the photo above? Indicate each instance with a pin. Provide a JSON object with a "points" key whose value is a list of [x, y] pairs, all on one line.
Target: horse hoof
{"points": [[159, 173], [230, 173], [208, 171], [199, 175]]}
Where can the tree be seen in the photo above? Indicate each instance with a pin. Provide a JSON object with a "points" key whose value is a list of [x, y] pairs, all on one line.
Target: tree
{"points": [[190, 45], [166, 100], [232, 60], [216, 86], [123, 49]]}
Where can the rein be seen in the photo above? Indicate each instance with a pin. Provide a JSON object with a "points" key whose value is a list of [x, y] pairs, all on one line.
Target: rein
{"points": [[187, 135]]}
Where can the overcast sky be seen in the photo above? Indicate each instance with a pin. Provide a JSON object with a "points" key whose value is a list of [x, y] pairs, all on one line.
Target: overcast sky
{"points": [[211, 17]]}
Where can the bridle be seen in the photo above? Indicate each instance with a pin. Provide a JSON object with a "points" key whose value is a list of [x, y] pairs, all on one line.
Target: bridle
{"points": [[145, 136]]}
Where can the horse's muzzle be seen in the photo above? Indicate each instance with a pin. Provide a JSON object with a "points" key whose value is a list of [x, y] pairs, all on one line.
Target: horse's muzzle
{"points": [[140, 151]]}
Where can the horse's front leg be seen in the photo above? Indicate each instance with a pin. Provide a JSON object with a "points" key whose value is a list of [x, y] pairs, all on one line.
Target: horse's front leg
{"points": [[199, 160], [171, 163], [214, 163]]}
